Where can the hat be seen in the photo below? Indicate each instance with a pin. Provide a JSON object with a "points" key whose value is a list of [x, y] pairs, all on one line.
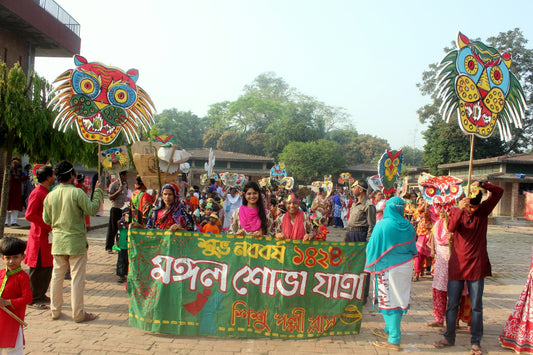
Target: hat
{"points": [[213, 215], [361, 183], [292, 197], [209, 206]]}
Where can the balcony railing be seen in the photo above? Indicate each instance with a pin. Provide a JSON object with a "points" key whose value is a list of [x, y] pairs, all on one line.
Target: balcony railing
{"points": [[57, 11]]}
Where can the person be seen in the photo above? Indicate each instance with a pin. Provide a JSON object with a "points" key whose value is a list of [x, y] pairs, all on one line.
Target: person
{"points": [[441, 235], [141, 202], [295, 223], [211, 226], [15, 294], [27, 188], [212, 187], [232, 201], [469, 261], [14, 199], [320, 204], [422, 216], [168, 212], [39, 248], [118, 194], [64, 210], [252, 217], [517, 333], [181, 181], [322, 230], [379, 202], [337, 208], [191, 201], [389, 255], [362, 214]]}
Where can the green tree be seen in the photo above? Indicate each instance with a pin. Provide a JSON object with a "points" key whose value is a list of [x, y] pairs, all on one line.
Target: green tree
{"points": [[412, 156], [231, 141], [187, 128], [308, 161], [364, 149], [445, 142]]}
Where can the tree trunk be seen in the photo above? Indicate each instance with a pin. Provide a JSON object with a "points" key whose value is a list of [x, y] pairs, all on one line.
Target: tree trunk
{"points": [[5, 183]]}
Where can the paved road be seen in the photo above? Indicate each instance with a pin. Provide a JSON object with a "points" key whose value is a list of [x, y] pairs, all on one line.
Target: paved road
{"points": [[510, 254]]}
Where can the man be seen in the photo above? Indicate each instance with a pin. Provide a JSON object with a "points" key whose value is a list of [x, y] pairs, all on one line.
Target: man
{"points": [[362, 214], [118, 194], [469, 261], [361, 221], [39, 247], [14, 199], [64, 210], [337, 208]]}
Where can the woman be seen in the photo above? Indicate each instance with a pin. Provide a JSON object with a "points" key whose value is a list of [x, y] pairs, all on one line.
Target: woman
{"points": [[232, 201], [424, 236], [252, 217], [379, 202], [294, 224], [168, 212], [518, 330], [389, 255], [440, 277], [320, 204]]}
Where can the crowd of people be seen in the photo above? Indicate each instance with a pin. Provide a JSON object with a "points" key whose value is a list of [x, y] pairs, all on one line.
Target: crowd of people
{"points": [[406, 240]]}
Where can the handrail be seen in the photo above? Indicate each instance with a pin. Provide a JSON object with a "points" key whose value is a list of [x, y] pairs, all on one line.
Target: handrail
{"points": [[57, 11]]}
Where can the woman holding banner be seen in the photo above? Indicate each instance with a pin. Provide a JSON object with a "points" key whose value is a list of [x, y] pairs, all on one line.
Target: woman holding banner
{"points": [[168, 212], [293, 224], [252, 217], [389, 255]]}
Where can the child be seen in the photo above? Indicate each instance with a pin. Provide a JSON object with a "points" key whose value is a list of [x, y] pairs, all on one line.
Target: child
{"points": [[211, 226], [322, 230], [15, 294]]}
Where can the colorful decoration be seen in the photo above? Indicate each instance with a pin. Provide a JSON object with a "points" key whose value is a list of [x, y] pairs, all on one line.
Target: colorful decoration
{"points": [[346, 179], [326, 184], [389, 168], [441, 191], [115, 158], [233, 179], [33, 172], [277, 172], [475, 81], [204, 178], [374, 182], [101, 101], [286, 183], [529, 206]]}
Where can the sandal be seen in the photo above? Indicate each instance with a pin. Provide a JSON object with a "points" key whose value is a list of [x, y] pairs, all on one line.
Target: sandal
{"points": [[441, 344], [39, 306], [386, 345], [380, 333], [87, 317], [434, 324], [476, 350]]}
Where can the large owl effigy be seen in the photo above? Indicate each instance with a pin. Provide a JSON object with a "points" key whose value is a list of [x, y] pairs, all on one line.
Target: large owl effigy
{"points": [[232, 179], [115, 159], [278, 172], [101, 102], [327, 185], [389, 168], [441, 191], [346, 179], [475, 81]]}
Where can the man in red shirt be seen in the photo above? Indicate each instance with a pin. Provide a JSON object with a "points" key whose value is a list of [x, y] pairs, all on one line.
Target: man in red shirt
{"points": [[39, 248], [469, 261]]}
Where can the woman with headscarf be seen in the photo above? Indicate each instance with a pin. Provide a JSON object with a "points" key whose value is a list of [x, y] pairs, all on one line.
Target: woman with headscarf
{"points": [[320, 204], [295, 223], [168, 212], [389, 255], [252, 217]]}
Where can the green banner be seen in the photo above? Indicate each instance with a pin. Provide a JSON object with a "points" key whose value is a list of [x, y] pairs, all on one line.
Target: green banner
{"points": [[230, 286]]}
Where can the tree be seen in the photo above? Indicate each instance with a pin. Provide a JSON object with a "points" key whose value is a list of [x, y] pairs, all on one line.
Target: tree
{"points": [[364, 148], [231, 142], [412, 156], [445, 142], [308, 161], [187, 128]]}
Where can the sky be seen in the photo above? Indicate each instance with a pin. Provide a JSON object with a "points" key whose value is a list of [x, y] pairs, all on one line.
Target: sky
{"points": [[363, 56]]}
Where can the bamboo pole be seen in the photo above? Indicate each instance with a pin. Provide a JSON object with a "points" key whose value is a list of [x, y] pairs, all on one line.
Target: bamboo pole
{"points": [[14, 316], [470, 165]]}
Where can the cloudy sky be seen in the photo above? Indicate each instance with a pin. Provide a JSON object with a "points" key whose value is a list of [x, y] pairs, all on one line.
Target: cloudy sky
{"points": [[364, 56]]}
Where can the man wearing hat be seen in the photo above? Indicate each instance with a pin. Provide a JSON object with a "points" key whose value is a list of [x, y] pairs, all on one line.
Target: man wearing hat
{"points": [[361, 221], [362, 214]]}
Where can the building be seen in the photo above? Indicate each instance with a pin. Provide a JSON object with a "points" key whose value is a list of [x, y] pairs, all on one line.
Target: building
{"points": [[514, 173], [253, 166]]}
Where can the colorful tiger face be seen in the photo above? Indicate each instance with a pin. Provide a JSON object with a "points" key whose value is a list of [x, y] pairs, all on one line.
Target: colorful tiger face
{"points": [[475, 81], [441, 191], [102, 101]]}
